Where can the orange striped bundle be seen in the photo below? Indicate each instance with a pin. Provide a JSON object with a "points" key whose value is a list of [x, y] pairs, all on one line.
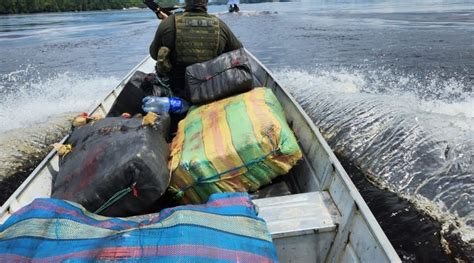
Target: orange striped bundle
{"points": [[236, 144]]}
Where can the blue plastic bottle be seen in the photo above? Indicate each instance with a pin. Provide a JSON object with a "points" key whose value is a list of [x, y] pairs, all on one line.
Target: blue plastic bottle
{"points": [[164, 104]]}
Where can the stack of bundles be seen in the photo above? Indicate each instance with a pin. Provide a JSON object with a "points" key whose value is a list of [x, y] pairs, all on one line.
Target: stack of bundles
{"points": [[228, 74], [226, 229], [234, 145], [117, 166]]}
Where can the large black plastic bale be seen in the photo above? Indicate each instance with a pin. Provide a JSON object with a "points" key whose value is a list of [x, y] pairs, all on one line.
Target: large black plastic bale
{"points": [[227, 75], [113, 156], [138, 87]]}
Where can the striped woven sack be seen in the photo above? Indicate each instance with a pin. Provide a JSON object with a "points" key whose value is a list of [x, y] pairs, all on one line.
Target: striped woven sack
{"points": [[226, 229], [236, 144]]}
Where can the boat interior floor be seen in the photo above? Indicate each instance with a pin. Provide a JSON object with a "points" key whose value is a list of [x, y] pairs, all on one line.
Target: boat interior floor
{"points": [[303, 222]]}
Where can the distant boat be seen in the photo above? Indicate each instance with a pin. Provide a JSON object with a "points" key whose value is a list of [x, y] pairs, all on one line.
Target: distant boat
{"points": [[233, 6], [321, 217]]}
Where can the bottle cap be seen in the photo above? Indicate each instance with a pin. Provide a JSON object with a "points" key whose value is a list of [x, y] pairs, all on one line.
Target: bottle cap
{"points": [[175, 105]]}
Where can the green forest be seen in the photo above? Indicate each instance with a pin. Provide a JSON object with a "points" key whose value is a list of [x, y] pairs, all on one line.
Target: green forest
{"points": [[37, 6]]}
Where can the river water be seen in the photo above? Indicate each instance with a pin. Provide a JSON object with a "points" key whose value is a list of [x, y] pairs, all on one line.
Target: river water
{"points": [[389, 83]]}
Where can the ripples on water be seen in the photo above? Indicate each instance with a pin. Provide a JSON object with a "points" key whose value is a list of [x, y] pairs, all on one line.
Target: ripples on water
{"points": [[399, 141], [28, 97], [390, 84], [23, 148]]}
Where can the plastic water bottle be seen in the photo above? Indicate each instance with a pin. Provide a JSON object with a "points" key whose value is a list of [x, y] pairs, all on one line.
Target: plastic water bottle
{"points": [[164, 104]]}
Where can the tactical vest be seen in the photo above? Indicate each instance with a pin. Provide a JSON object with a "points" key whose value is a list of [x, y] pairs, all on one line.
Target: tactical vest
{"points": [[197, 37]]}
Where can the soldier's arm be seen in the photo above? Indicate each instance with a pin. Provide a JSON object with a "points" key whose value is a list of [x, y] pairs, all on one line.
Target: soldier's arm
{"points": [[155, 46], [232, 43], [164, 36]]}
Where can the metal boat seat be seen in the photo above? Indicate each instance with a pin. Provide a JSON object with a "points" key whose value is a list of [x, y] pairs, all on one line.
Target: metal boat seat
{"points": [[303, 226]]}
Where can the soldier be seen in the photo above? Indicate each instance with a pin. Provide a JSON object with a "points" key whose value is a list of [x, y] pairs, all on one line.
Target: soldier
{"points": [[190, 37]]}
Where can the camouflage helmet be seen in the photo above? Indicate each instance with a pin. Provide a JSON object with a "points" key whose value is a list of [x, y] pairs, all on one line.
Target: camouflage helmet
{"points": [[191, 4]]}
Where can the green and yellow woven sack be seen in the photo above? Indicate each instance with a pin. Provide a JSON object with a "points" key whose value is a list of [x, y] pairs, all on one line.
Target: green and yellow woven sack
{"points": [[236, 144]]}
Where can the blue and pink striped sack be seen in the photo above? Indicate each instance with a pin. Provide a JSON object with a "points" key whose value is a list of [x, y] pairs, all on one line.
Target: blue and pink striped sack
{"points": [[225, 229]]}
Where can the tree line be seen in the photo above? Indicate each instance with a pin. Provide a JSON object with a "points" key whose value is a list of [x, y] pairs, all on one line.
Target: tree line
{"points": [[37, 6], [223, 2]]}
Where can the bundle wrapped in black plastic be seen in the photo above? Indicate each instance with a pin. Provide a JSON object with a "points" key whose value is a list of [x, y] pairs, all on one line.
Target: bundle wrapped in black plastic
{"points": [[138, 87], [117, 166], [227, 75]]}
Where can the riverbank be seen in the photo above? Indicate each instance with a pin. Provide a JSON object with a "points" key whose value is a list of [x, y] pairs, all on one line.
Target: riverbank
{"points": [[50, 6]]}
